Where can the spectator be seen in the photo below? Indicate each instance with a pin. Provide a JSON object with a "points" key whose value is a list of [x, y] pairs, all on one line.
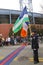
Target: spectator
{"points": [[12, 40], [8, 40], [1, 40]]}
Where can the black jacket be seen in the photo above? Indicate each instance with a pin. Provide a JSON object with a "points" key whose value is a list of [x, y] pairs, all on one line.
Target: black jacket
{"points": [[35, 44]]}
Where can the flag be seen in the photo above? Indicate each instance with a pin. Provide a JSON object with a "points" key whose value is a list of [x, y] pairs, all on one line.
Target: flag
{"points": [[21, 19], [24, 30]]}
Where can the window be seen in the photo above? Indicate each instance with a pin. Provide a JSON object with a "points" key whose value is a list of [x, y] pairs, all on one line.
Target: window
{"points": [[4, 19], [14, 18], [39, 20]]}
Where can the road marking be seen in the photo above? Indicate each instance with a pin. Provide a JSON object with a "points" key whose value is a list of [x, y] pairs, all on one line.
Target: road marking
{"points": [[1, 58], [8, 59], [30, 59], [40, 59], [16, 59]]}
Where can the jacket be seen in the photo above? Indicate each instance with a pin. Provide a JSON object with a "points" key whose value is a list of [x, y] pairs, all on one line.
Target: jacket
{"points": [[35, 44]]}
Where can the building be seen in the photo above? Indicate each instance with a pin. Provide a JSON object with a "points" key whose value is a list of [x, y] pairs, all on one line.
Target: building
{"points": [[8, 18]]}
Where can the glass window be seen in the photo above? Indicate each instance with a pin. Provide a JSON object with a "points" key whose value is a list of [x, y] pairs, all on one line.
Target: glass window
{"points": [[4, 19], [39, 20], [14, 18]]}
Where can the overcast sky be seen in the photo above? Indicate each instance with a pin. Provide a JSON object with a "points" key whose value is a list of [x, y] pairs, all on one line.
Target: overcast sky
{"points": [[14, 4], [9, 4], [37, 6]]}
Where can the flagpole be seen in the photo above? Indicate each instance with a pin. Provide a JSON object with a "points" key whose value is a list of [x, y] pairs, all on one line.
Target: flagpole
{"points": [[30, 29]]}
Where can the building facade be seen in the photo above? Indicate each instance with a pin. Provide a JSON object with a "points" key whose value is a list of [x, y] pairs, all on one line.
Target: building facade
{"points": [[8, 18]]}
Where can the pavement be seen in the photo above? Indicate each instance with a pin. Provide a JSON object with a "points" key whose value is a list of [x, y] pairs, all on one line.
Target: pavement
{"points": [[19, 55]]}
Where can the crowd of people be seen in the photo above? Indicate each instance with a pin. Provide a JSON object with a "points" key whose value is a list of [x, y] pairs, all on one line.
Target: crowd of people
{"points": [[9, 40]]}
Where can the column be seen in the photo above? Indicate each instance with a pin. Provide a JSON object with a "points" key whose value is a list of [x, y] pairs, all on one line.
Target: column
{"points": [[33, 18], [10, 17]]}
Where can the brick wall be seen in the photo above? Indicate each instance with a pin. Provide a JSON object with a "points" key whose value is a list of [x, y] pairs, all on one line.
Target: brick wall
{"points": [[37, 26], [5, 28]]}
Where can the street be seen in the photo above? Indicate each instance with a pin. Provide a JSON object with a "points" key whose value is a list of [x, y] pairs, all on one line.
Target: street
{"points": [[24, 55]]}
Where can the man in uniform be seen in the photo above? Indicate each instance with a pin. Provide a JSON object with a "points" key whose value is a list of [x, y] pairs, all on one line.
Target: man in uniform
{"points": [[35, 46]]}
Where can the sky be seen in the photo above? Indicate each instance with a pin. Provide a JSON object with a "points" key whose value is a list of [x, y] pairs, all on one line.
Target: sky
{"points": [[37, 6], [9, 4], [14, 5]]}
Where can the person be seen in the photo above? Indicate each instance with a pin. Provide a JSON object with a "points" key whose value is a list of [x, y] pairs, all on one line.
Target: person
{"points": [[12, 40], [35, 46], [8, 41], [1, 40]]}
